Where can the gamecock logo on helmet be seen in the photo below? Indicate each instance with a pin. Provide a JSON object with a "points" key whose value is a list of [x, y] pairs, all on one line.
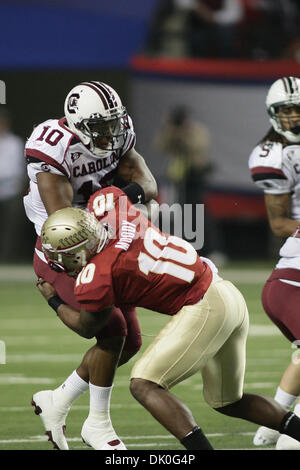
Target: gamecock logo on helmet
{"points": [[72, 103]]}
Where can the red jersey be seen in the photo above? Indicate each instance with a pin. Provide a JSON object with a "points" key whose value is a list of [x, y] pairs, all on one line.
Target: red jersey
{"points": [[140, 265]]}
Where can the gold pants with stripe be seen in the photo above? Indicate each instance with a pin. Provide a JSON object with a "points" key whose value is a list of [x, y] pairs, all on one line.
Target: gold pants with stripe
{"points": [[209, 337]]}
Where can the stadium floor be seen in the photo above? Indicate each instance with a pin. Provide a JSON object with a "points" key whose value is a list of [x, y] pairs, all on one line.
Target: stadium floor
{"points": [[41, 352]]}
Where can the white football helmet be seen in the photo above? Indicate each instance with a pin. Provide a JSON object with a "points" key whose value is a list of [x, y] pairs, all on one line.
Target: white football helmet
{"points": [[285, 92], [95, 113], [70, 237]]}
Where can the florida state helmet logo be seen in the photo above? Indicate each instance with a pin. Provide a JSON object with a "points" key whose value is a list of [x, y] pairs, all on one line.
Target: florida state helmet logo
{"points": [[72, 103]]}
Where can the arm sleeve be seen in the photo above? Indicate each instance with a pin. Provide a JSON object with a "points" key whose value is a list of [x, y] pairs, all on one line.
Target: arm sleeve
{"points": [[46, 155], [266, 169], [98, 294], [270, 180]]}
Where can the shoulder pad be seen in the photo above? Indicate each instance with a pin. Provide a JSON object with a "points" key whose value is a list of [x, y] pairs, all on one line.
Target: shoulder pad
{"points": [[266, 161], [268, 154], [48, 139]]}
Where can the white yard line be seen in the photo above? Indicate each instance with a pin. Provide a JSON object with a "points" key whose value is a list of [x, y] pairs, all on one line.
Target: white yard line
{"points": [[17, 409], [248, 276], [264, 330], [25, 380], [25, 358], [38, 340], [21, 273], [42, 438], [25, 273]]}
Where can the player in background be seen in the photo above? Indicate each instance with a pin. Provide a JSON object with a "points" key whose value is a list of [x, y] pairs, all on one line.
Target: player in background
{"points": [[275, 168], [69, 159], [127, 260]]}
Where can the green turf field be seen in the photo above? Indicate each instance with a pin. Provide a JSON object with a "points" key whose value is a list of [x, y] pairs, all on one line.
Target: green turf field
{"points": [[41, 352]]}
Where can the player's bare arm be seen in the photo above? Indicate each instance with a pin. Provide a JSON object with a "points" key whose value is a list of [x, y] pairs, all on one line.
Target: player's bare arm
{"points": [[86, 324], [55, 190], [278, 209], [133, 168]]}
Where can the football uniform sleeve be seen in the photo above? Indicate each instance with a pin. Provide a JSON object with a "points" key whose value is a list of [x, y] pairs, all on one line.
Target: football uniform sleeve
{"points": [[104, 200], [94, 287], [267, 170], [112, 207], [45, 150]]}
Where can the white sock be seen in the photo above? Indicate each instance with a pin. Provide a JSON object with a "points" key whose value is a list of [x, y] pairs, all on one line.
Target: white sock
{"points": [[70, 389], [297, 409], [285, 399], [100, 404]]}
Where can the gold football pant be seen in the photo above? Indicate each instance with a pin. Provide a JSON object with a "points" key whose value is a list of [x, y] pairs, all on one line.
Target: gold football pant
{"points": [[210, 337]]}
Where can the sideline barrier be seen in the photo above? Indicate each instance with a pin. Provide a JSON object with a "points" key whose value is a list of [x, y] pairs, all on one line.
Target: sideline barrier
{"points": [[229, 97]]}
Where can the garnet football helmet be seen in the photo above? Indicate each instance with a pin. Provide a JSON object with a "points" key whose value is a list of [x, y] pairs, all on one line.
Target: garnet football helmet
{"points": [[70, 237], [285, 93], [95, 113]]}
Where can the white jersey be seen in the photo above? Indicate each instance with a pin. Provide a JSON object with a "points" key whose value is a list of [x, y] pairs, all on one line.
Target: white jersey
{"points": [[290, 253], [276, 170], [54, 148]]}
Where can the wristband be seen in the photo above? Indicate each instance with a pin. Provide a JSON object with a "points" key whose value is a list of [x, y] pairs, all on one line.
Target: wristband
{"points": [[54, 302], [135, 193]]}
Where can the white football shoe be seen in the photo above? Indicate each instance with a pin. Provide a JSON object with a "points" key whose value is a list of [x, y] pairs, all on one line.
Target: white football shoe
{"points": [[53, 417], [287, 443], [101, 437], [265, 436]]}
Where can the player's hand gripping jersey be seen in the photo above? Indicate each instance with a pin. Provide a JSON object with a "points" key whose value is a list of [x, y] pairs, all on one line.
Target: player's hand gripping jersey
{"points": [[140, 265], [53, 148], [276, 169]]}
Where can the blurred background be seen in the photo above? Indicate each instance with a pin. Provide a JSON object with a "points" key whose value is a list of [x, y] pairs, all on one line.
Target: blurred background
{"points": [[193, 75]]}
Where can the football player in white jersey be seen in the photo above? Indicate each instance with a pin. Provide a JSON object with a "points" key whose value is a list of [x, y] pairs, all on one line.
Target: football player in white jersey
{"points": [[69, 159], [275, 167]]}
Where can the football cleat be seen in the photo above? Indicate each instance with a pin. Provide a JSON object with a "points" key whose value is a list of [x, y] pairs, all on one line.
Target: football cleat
{"points": [[265, 436], [53, 418], [100, 437], [287, 443]]}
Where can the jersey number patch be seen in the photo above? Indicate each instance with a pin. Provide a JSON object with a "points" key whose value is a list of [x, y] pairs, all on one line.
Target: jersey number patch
{"points": [[52, 138], [103, 203], [157, 246], [86, 275]]}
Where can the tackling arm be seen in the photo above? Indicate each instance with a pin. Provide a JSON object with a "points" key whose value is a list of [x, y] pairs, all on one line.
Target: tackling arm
{"points": [[55, 190], [86, 324], [133, 168], [278, 209]]}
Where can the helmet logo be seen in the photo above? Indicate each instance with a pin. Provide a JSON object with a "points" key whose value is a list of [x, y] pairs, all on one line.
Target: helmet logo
{"points": [[72, 103]]}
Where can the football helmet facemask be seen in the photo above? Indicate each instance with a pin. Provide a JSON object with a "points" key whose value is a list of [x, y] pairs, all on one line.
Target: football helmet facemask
{"points": [[70, 237], [95, 113], [283, 105]]}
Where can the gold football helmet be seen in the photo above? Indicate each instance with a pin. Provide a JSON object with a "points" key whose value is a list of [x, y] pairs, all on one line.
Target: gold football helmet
{"points": [[70, 237]]}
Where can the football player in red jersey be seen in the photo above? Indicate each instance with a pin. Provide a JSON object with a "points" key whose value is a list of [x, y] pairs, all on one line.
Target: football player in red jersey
{"points": [[119, 257], [68, 159]]}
